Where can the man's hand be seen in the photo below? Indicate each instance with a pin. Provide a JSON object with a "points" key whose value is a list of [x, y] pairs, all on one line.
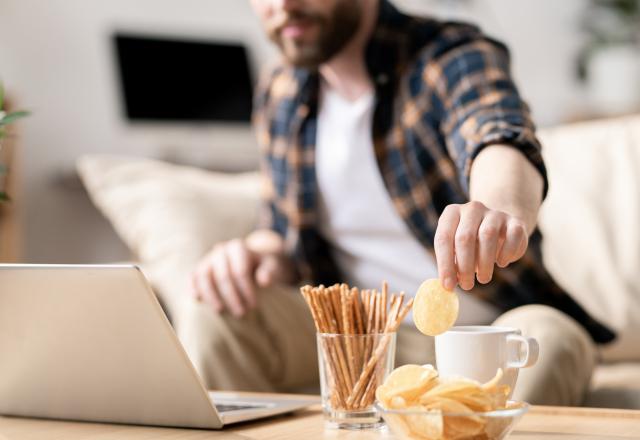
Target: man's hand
{"points": [[471, 238], [228, 275]]}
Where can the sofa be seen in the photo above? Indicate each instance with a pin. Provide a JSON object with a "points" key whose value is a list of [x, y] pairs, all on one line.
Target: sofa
{"points": [[170, 215]]}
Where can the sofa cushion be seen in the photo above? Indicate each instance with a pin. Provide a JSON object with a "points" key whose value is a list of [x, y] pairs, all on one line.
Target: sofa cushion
{"points": [[169, 215], [591, 220]]}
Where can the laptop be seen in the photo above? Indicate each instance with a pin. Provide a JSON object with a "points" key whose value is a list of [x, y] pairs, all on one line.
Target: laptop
{"points": [[91, 343]]}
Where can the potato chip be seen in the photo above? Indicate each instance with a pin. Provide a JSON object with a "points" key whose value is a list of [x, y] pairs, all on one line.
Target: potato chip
{"points": [[409, 382], [492, 383], [463, 427], [425, 426], [499, 396], [458, 425], [398, 424], [397, 402], [435, 309], [444, 409], [450, 388], [479, 402]]}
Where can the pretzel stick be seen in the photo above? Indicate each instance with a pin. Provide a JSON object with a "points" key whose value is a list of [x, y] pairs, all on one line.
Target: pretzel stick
{"points": [[331, 350], [359, 329], [340, 392], [360, 385], [392, 306], [401, 297], [368, 393], [393, 313], [365, 307], [381, 314], [368, 396], [357, 308], [337, 347], [376, 316], [376, 322], [371, 311], [336, 301], [369, 322], [385, 292], [346, 319]]}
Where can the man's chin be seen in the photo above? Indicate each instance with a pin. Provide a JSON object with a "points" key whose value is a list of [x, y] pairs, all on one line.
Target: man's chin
{"points": [[308, 58]]}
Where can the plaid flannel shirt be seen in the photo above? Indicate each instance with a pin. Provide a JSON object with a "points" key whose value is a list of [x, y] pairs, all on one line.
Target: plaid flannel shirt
{"points": [[443, 93]]}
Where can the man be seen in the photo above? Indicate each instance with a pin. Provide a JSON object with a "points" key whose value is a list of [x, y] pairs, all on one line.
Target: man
{"points": [[393, 148]]}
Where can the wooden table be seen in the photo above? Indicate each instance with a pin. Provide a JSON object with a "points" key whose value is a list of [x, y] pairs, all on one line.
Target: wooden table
{"points": [[541, 423]]}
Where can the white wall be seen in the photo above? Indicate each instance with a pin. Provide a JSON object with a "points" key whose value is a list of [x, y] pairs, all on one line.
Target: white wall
{"points": [[544, 39], [55, 57]]}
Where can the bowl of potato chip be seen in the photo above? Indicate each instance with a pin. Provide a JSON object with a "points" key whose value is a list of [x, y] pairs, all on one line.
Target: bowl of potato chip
{"points": [[418, 404], [418, 423]]}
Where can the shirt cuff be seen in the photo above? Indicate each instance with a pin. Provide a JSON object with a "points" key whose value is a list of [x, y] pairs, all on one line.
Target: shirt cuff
{"points": [[521, 138]]}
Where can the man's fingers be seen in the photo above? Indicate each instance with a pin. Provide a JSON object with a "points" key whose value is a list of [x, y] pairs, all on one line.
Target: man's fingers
{"points": [[444, 246], [488, 240], [241, 270], [267, 271], [501, 243], [515, 243], [465, 242], [225, 286], [204, 288], [471, 239]]}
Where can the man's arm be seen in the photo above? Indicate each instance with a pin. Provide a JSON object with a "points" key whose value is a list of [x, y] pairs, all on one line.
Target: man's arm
{"points": [[490, 138], [503, 179], [493, 228]]}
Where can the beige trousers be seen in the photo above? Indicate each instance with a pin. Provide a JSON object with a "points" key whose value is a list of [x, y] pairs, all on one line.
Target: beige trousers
{"points": [[273, 348]]}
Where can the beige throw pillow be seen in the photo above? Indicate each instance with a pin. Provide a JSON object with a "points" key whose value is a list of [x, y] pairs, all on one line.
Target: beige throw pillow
{"points": [[169, 215], [591, 222]]}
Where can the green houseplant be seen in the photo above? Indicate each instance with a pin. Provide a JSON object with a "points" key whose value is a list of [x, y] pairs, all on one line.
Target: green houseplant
{"points": [[608, 23], [5, 120]]}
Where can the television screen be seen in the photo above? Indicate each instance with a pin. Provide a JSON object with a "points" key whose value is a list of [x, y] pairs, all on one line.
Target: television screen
{"points": [[165, 79]]}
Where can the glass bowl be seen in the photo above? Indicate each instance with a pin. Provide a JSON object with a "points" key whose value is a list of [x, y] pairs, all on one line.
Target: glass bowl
{"points": [[415, 424]]}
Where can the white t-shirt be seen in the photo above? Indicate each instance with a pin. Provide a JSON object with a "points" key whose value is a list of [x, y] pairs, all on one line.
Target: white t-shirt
{"points": [[369, 239]]}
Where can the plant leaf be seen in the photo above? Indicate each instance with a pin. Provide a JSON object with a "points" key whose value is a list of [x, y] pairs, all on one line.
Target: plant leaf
{"points": [[12, 117], [1, 95], [4, 197]]}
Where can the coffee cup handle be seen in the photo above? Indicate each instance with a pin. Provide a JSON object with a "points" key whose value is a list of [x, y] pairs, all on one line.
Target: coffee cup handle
{"points": [[531, 351]]}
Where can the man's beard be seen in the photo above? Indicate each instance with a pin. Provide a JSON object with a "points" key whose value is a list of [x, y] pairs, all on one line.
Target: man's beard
{"points": [[334, 32]]}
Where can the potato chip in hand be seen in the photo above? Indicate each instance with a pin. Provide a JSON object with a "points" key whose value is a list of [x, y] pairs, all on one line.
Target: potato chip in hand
{"points": [[435, 309]]}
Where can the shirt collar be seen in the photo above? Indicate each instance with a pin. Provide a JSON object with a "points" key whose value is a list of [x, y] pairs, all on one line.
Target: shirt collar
{"points": [[386, 51]]}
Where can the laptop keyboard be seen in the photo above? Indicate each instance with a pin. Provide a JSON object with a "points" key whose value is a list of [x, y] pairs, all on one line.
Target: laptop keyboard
{"points": [[225, 407]]}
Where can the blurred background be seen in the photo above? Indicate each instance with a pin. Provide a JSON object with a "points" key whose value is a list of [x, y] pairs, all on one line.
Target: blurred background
{"points": [[102, 77]]}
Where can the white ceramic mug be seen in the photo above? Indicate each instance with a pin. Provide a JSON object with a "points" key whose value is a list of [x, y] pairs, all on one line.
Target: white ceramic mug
{"points": [[477, 352]]}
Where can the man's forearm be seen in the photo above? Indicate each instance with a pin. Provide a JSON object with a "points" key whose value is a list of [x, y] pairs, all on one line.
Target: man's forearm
{"points": [[503, 179]]}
